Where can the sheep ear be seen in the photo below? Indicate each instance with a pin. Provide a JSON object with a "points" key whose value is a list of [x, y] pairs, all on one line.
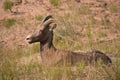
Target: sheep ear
{"points": [[52, 26]]}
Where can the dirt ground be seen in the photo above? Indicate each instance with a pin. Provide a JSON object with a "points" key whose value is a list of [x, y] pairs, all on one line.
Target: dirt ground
{"points": [[26, 11]]}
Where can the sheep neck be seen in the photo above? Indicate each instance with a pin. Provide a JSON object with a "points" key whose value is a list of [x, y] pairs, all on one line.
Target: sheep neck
{"points": [[47, 50], [47, 45]]}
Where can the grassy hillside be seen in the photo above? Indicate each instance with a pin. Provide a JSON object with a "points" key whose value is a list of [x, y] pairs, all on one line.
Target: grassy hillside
{"points": [[84, 25]]}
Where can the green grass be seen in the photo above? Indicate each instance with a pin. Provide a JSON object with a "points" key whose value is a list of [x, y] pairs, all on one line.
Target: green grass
{"points": [[117, 26], [89, 34], [11, 69], [113, 8], [83, 9], [55, 2], [8, 5], [9, 22], [39, 17], [100, 34]]}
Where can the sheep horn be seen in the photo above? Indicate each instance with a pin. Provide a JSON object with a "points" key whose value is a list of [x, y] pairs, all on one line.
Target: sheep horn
{"points": [[48, 22], [46, 18]]}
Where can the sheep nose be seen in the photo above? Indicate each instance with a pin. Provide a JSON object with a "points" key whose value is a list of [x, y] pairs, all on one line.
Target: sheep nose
{"points": [[28, 37]]}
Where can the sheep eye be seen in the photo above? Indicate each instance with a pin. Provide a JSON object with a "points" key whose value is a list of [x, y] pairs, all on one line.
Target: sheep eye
{"points": [[41, 31]]}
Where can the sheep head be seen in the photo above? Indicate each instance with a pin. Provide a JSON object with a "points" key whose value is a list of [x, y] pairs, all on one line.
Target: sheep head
{"points": [[43, 31]]}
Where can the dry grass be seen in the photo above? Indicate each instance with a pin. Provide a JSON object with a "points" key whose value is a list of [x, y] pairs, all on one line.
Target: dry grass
{"points": [[76, 31], [13, 69], [21, 63]]}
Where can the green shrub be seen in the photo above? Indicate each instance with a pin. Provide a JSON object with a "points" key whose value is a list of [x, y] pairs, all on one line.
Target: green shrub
{"points": [[83, 9], [113, 8], [55, 2], [117, 26], [9, 22], [89, 34], [8, 5], [39, 17]]}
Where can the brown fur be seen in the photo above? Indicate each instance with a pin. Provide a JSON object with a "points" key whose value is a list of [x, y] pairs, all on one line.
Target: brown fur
{"points": [[51, 56]]}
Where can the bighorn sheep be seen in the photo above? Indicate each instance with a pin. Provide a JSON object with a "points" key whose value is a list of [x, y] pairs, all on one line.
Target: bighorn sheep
{"points": [[51, 56]]}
